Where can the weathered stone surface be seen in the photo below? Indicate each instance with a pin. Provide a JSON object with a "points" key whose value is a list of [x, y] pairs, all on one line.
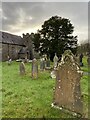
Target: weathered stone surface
{"points": [[42, 64], [47, 63], [55, 59], [22, 68], [67, 90], [34, 69]]}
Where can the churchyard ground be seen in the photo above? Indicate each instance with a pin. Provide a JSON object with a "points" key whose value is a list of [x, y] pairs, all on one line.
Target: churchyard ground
{"points": [[23, 97]]}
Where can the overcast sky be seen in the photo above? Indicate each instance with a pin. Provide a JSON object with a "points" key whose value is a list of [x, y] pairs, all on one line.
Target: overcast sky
{"points": [[23, 17]]}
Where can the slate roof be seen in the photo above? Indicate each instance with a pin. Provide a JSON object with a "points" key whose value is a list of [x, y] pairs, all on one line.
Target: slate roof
{"points": [[10, 39]]}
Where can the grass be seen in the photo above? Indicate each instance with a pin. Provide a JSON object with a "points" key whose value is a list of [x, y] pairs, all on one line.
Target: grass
{"points": [[24, 97]]}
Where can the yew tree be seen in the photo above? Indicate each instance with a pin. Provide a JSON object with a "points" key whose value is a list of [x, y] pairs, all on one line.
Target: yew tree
{"points": [[56, 36]]}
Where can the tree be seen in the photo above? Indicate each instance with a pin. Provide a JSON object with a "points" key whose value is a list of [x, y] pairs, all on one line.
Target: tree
{"points": [[55, 37]]}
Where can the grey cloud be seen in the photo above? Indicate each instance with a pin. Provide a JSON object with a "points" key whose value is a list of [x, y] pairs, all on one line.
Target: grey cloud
{"points": [[13, 12], [24, 15]]}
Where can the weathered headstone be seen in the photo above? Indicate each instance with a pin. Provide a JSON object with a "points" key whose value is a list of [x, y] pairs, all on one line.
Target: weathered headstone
{"points": [[48, 63], [42, 64], [34, 69], [22, 68], [55, 59], [47, 67], [67, 92]]}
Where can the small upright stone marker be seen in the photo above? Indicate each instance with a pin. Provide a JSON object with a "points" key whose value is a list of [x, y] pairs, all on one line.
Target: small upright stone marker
{"points": [[67, 90], [42, 64], [55, 59], [22, 68], [34, 69], [48, 63]]}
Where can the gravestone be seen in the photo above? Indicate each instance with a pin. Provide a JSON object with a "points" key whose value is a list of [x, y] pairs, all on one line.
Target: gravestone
{"points": [[42, 64], [22, 68], [34, 69], [48, 64], [67, 92], [55, 59]]}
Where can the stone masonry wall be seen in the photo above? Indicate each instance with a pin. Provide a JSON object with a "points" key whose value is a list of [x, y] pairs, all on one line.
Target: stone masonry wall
{"points": [[11, 50]]}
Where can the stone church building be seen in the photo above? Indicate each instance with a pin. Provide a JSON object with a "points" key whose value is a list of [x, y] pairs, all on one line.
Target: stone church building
{"points": [[14, 46]]}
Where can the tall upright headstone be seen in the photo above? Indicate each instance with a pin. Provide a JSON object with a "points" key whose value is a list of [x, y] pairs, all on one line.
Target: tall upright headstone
{"points": [[42, 64], [22, 68], [67, 92], [34, 69], [55, 59]]}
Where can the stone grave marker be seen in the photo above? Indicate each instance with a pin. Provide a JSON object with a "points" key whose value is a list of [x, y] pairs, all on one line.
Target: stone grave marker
{"points": [[67, 92], [34, 69], [22, 68], [48, 63], [55, 59], [42, 64], [47, 67]]}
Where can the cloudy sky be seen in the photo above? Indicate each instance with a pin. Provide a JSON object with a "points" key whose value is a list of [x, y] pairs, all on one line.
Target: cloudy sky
{"points": [[23, 17]]}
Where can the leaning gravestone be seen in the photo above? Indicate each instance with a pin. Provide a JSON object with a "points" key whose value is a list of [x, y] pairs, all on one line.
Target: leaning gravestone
{"points": [[22, 68], [55, 59], [34, 69], [67, 90]]}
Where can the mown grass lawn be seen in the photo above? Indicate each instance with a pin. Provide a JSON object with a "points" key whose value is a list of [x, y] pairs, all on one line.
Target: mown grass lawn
{"points": [[23, 97]]}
